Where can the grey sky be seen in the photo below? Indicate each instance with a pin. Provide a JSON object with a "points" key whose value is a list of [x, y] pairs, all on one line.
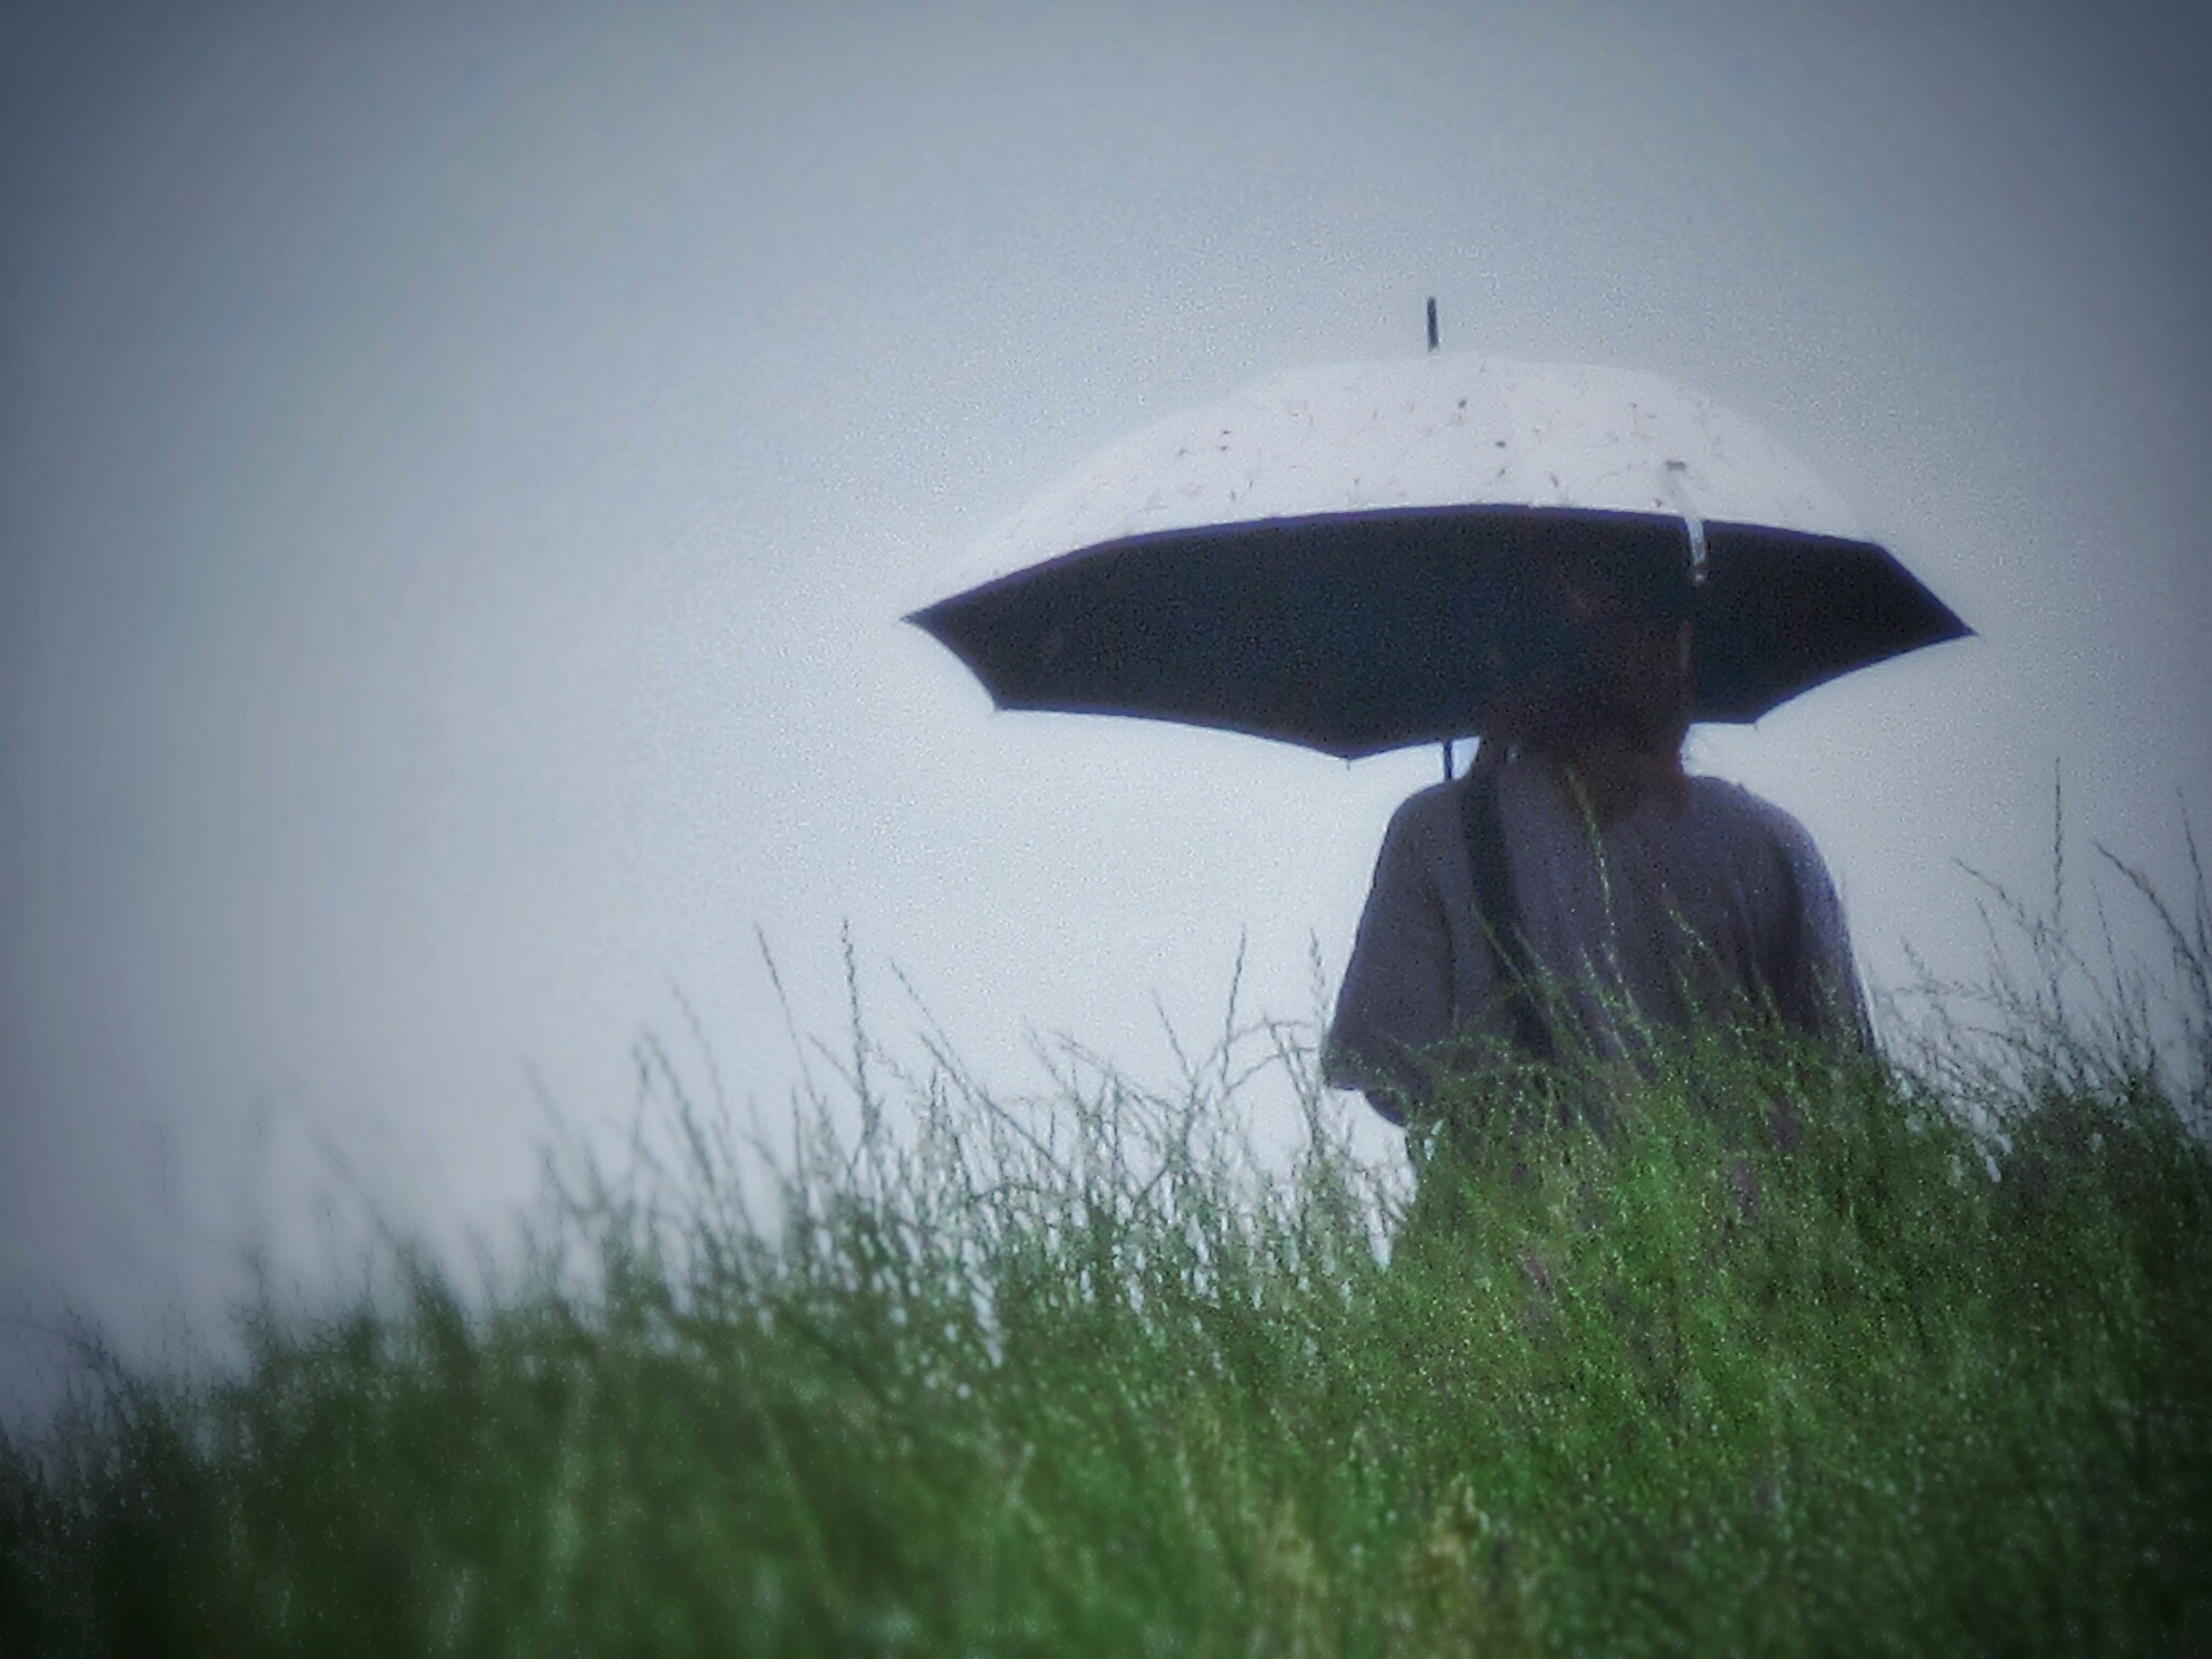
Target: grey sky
{"points": [[461, 468]]}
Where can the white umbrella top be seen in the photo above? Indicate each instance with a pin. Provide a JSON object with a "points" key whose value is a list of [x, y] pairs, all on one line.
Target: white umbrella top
{"points": [[1448, 429]]}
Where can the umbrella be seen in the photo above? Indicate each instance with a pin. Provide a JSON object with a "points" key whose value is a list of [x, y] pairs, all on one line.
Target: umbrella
{"points": [[1330, 556]]}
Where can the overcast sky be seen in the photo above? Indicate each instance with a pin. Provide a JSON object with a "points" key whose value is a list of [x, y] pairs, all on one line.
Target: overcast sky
{"points": [[462, 467]]}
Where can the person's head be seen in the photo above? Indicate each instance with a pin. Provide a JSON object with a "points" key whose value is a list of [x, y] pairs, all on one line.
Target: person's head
{"points": [[1604, 666]]}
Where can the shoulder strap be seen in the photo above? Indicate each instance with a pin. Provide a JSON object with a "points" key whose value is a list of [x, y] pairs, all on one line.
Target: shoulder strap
{"points": [[1499, 915]]}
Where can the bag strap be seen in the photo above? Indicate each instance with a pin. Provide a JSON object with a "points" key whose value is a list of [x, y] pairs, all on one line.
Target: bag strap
{"points": [[1499, 915]]}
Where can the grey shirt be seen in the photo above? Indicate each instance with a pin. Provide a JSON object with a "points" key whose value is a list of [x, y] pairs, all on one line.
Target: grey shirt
{"points": [[1703, 899]]}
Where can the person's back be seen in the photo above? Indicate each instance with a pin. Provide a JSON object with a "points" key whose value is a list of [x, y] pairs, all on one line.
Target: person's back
{"points": [[1578, 877], [1701, 899]]}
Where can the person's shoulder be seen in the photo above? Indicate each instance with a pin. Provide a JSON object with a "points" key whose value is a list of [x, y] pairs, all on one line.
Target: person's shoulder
{"points": [[1427, 811], [1423, 829], [1736, 812], [1436, 800]]}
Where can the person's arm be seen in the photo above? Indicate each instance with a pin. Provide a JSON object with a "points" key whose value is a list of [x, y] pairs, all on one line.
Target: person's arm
{"points": [[1396, 1003], [1816, 981]]}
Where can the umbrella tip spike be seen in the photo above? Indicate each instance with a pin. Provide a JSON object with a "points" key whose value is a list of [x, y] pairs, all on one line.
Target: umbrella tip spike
{"points": [[1432, 322]]}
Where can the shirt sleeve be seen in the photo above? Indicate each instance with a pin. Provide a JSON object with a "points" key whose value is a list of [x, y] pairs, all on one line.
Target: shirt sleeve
{"points": [[1815, 981], [1396, 999]]}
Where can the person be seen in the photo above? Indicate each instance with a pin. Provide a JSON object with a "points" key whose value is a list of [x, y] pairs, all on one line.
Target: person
{"points": [[1578, 889]]}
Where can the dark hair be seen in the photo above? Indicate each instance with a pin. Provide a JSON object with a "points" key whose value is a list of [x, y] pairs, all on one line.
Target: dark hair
{"points": [[1599, 662]]}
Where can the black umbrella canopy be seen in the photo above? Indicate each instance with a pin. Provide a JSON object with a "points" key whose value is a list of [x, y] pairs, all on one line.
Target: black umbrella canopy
{"points": [[1360, 632], [1346, 558]]}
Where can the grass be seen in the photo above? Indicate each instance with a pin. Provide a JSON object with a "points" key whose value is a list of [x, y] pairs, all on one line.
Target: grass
{"points": [[1792, 1357]]}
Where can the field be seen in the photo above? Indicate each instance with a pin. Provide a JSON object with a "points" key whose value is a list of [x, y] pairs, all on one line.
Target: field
{"points": [[1751, 1351]]}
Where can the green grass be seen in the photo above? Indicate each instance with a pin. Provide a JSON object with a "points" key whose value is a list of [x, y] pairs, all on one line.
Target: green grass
{"points": [[1794, 1357]]}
